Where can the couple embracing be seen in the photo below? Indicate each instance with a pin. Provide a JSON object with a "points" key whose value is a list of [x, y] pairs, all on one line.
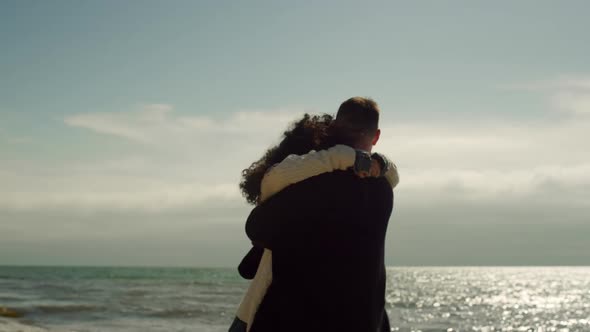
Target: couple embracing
{"points": [[323, 202]]}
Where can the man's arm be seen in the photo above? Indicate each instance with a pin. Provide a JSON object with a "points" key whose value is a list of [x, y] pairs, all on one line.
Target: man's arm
{"points": [[284, 219], [249, 264]]}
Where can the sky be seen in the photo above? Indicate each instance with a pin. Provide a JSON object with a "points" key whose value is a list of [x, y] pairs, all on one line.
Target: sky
{"points": [[124, 126]]}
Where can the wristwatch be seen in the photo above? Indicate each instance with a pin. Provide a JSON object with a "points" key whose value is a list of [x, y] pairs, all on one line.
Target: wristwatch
{"points": [[362, 162], [383, 162]]}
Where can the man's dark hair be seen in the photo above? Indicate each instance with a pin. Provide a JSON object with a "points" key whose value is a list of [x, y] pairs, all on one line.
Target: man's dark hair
{"points": [[357, 117]]}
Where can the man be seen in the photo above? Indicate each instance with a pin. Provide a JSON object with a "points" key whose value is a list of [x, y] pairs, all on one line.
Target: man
{"points": [[327, 235]]}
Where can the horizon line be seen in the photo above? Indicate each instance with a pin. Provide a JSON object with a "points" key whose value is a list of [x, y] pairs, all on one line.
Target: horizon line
{"points": [[235, 267]]}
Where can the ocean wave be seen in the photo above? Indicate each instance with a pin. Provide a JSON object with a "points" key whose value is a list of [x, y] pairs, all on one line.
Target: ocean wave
{"points": [[36, 309], [49, 287], [13, 298], [68, 308], [177, 313], [11, 325]]}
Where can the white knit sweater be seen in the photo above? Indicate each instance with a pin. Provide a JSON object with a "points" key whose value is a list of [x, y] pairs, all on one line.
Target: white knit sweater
{"points": [[291, 170]]}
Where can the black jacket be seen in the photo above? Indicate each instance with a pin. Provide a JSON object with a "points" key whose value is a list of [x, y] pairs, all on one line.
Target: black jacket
{"points": [[327, 235]]}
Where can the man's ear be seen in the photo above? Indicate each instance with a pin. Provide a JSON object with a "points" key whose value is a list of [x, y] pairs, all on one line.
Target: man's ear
{"points": [[376, 138]]}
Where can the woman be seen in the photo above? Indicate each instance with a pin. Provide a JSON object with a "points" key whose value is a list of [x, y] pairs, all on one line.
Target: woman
{"points": [[294, 159]]}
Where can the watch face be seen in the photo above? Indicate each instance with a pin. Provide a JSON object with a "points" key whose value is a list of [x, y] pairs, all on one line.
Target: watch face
{"points": [[366, 164]]}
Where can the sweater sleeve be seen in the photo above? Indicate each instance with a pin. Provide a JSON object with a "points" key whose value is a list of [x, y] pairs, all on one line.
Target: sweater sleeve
{"points": [[296, 168], [392, 175]]}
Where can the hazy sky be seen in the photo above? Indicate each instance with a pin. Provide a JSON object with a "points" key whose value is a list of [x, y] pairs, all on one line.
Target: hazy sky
{"points": [[124, 125]]}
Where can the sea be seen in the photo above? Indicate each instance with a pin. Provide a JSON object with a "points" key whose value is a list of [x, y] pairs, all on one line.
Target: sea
{"points": [[199, 299]]}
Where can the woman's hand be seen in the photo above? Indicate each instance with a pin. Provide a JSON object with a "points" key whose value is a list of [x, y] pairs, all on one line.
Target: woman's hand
{"points": [[374, 172], [370, 165], [375, 168]]}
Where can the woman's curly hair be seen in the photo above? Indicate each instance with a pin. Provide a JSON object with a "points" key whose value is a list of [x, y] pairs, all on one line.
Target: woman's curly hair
{"points": [[312, 132]]}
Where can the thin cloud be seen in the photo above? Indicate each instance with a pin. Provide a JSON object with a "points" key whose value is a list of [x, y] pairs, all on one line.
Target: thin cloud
{"points": [[142, 196], [566, 94], [561, 83], [461, 162], [574, 102], [157, 123]]}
